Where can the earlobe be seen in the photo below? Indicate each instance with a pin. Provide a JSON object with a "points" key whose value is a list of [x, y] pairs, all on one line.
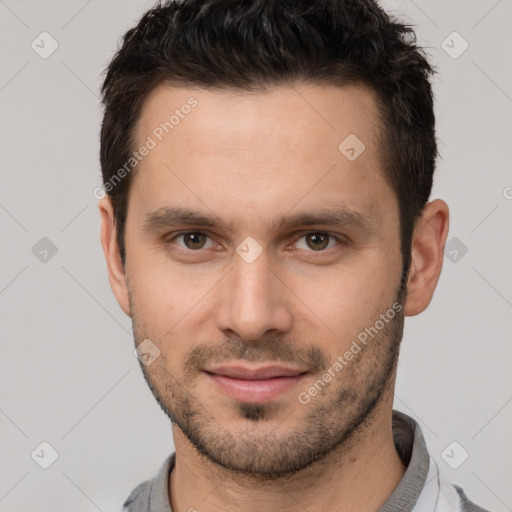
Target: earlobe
{"points": [[116, 271], [427, 255]]}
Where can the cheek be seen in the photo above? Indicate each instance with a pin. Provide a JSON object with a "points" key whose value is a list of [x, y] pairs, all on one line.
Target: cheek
{"points": [[346, 301], [170, 301]]}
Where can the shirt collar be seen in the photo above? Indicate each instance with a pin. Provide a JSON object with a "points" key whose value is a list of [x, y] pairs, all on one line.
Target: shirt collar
{"points": [[411, 448]]}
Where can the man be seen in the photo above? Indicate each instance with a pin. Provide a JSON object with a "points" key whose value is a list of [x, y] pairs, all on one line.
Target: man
{"points": [[268, 166]]}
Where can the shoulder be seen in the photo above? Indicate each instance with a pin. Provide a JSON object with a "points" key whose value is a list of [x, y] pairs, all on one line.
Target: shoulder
{"points": [[465, 503], [138, 501], [452, 498], [152, 495]]}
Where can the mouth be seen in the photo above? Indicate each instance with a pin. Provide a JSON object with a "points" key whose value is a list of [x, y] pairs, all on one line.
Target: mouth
{"points": [[254, 384]]}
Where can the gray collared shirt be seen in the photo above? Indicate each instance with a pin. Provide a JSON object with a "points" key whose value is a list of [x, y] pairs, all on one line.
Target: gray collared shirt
{"points": [[420, 490]]}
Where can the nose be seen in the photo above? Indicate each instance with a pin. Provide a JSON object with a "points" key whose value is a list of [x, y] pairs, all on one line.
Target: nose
{"points": [[254, 301]]}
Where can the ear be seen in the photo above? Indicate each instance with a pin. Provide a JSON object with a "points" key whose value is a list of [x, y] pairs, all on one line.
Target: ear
{"points": [[116, 271], [429, 238]]}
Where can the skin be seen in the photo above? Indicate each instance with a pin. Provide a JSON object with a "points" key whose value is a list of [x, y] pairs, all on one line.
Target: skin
{"points": [[248, 158]]}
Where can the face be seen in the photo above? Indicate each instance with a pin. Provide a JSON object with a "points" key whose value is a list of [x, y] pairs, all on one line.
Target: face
{"points": [[260, 253]]}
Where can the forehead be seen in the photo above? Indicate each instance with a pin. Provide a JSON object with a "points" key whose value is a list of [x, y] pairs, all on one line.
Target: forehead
{"points": [[325, 110], [229, 148]]}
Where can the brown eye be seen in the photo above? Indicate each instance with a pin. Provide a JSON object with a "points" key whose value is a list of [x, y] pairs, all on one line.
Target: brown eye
{"points": [[194, 240], [188, 242], [317, 241]]}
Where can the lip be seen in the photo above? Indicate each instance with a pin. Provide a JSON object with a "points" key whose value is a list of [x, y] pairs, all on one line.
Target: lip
{"points": [[255, 373], [254, 384]]}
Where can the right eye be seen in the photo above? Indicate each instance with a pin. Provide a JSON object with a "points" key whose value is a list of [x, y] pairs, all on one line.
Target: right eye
{"points": [[192, 240]]}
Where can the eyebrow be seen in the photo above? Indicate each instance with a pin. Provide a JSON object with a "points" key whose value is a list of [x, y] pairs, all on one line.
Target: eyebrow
{"points": [[168, 217]]}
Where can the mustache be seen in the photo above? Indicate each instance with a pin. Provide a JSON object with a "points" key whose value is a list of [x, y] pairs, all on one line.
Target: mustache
{"points": [[274, 350]]}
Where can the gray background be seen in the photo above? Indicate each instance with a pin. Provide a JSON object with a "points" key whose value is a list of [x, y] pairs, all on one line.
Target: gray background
{"points": [[68, 374]]}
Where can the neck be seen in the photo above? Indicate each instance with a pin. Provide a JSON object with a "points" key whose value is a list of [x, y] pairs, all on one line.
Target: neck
{"points": [[340, 481]]}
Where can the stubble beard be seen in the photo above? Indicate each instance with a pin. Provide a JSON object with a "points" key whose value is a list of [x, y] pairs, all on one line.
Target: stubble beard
{"points": [[331, 421]]}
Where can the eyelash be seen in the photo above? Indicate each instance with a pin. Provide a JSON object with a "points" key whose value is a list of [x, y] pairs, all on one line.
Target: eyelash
{"points": [[339, 240]]}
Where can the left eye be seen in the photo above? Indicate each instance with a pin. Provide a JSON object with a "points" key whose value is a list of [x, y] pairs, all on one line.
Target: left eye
{"points": [[317, 241]]}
